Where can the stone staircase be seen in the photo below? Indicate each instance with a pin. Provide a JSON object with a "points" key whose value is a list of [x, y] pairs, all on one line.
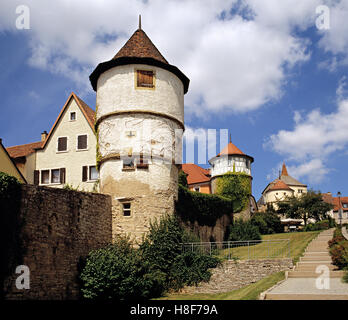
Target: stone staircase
{"points": [[301, 282]]}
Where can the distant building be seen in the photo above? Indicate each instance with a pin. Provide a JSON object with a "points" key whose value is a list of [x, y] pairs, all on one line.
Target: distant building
{"points": [[65, 155], [281, 188], [230, 160], [8, 166], [338, 203]]}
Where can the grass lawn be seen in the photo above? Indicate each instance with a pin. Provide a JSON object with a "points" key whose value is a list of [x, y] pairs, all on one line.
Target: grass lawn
{"points": [[250, 292], [298, 243]]}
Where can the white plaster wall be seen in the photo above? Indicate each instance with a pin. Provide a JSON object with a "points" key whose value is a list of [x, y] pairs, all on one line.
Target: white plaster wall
{"points": [[151, 135], [277, 195], [116, 92], [72, 160], [223, 165], [29, 167]]}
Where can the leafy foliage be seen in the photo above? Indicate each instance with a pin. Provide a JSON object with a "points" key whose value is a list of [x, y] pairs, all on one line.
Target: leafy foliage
{"points": [[339, 250], [182, 179], [244, 230], [321, 225], [235, 186], [200, 207], [267, 222], [10, 242], [308, 205], [121, 272]]}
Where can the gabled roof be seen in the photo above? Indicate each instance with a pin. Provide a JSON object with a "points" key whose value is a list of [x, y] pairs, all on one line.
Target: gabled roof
{"points": [[279, 185], [24, 149], [10, 160], [139, 49], [139, 45], [195, 174], [85, 109], [327, 197]]}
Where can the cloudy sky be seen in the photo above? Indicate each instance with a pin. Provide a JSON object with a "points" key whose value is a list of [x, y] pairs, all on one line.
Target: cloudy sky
{"points": [[274, 73]]}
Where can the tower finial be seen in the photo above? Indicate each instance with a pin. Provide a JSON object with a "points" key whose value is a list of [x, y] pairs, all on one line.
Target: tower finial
{"points": [[230, 138], [139, 21]]}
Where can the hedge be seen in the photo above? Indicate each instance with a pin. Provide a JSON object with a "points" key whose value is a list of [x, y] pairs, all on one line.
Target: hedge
{"points": [[200, 207]]}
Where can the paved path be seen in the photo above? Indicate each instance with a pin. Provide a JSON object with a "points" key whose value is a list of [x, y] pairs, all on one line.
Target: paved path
{"points": [[344, 232], [303, 283]]}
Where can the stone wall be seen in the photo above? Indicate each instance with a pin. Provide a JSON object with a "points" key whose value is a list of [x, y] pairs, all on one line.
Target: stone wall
{"points": [[216, 233], [233, 275], [58, 228]]}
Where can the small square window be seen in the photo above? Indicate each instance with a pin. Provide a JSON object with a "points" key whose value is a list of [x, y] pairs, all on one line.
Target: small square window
{"points": [[142, 163], [45, 176], [55, 176], [72, 116], [126, 209], [93, 173], [145, 79], [128, 163], [62, 144], [82, 142], [197, 189]]}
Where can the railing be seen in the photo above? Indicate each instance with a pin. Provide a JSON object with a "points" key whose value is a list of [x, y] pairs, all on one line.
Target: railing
{"points": [[242, 250]]}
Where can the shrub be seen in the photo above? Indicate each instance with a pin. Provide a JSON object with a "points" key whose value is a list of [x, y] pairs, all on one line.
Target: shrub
{"points": [[122, 272], [267, 222], [339, 250], [200, 207], [244, 230], [182, 179], [320, 225], [117, 272]]}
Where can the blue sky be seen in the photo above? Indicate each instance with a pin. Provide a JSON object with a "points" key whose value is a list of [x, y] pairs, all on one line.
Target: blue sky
{"points": [[263, 70]]}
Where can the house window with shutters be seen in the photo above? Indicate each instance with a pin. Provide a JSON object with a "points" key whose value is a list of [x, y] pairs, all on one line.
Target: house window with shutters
{"points": [[62, 145], [89, 173], [55, 176], [45, 176], [145, 79], [82, 142]]}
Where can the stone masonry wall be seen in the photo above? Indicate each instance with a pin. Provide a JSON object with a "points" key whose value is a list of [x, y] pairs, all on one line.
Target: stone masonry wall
{"points": [[234, 275], [59, 228]]}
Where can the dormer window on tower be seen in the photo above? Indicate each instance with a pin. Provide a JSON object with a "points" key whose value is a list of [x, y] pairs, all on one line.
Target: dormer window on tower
{"points": [[145, 79]]}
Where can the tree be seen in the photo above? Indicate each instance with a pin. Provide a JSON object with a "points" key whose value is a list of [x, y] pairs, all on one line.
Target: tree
{"points": [[309, 205]]}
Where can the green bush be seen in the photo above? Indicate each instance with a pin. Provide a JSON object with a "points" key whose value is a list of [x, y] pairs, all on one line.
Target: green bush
{"points": [[121, 272], [267, 222], [320, 225], [117, 272], [339, 249], [244, 230], [200, 207], [182, 179]]}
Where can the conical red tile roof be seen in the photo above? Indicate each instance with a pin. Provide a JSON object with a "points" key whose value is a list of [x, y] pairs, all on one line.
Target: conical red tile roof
{"points": [[230, 149], [284, 170], [139, 45]]}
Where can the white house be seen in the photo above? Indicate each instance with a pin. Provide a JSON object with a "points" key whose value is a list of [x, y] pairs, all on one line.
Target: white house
{"points": [[64, 156]]}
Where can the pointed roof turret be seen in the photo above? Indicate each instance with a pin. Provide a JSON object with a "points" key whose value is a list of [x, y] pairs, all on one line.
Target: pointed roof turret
{"points": [[139, 49], [284, 170], [231, 149], [139, 45]]}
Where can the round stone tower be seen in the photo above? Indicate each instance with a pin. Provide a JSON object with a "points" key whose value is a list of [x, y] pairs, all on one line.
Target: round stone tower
{"points": [[139, 113]]}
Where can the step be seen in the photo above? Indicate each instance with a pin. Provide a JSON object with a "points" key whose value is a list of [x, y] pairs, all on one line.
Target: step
{"points": [[284, 296], [316, 258], [313, 267], [317, 253], [311, 274]]}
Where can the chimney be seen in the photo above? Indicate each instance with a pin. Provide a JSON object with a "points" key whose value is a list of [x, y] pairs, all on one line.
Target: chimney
{"points": [[43, 136]]}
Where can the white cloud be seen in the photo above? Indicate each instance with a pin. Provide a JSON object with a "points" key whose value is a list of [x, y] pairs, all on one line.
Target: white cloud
{"points": [[314, 138], [236, 63]]}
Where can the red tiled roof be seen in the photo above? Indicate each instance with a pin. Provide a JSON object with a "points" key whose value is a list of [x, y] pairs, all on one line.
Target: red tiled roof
{"points": [[89, 112], [139, 45], [195, 174], [336, 204], [230, 149], [24, 149], [279, 185]]}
